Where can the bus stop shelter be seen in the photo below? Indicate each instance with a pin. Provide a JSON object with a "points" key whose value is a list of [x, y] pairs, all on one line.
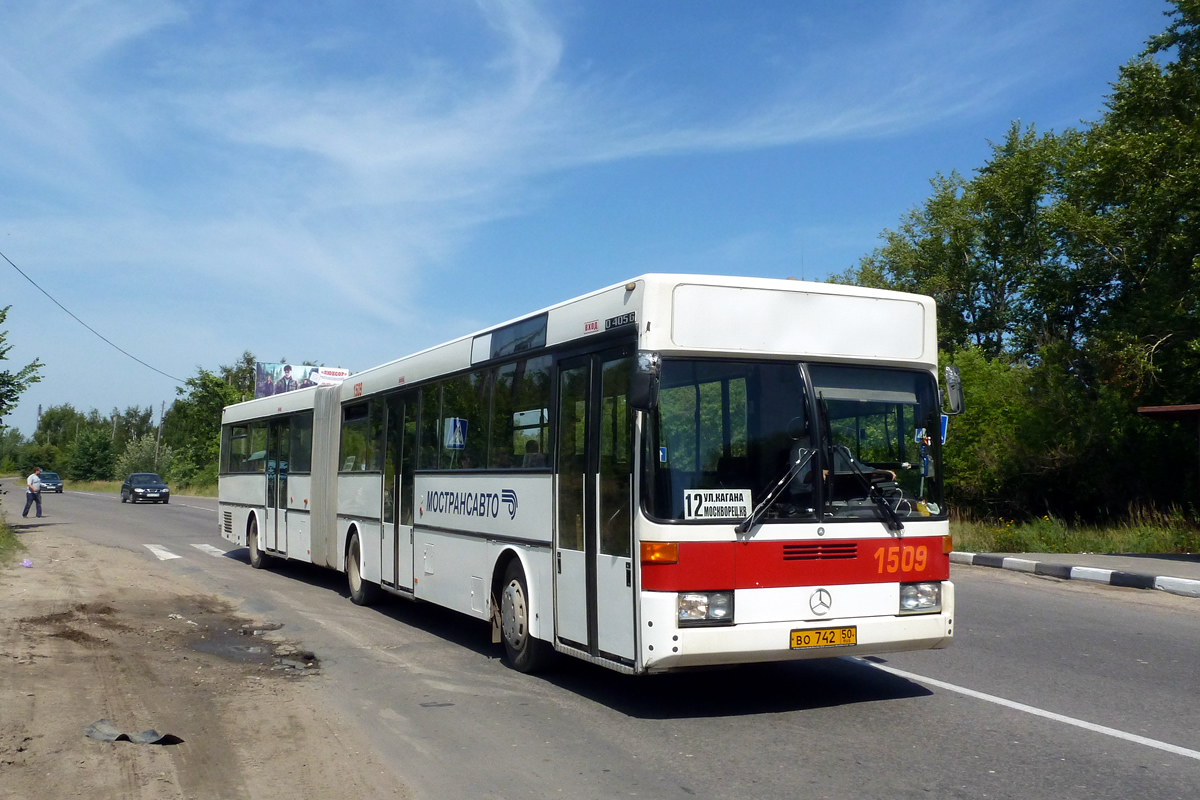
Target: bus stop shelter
{"points": [[1184, 414]]}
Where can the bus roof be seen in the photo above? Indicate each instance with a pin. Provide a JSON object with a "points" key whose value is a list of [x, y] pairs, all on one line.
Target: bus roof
{"points": [[678, 314]]}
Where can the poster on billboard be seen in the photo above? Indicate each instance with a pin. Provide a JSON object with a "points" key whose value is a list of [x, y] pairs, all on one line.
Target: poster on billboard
{"points": [[270, 378]]}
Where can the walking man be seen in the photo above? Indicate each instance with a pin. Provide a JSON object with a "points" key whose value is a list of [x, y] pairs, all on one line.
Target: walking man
{"points": [[34, 493]]}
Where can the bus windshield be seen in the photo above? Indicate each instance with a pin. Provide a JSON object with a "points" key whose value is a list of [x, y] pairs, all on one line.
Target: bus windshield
{"points": [[733, 433], [883, 428]]}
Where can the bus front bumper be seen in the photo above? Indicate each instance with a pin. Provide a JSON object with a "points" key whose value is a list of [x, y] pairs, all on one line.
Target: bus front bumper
{"points": [[666, 647]]}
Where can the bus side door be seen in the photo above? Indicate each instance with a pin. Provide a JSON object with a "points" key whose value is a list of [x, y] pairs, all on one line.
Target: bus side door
{"points": [[594, 606], [278, 439], [399, 461]]}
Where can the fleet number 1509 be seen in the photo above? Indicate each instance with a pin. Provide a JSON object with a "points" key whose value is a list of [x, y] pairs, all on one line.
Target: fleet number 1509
{"points": [[902, 559]]}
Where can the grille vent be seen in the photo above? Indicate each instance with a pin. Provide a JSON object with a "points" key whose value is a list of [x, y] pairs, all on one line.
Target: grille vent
{"points": [[820, 551], [229, 522]]}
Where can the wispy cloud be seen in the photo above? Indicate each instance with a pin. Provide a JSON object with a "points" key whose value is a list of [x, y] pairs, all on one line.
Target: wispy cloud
{"points": [[303, 172]]}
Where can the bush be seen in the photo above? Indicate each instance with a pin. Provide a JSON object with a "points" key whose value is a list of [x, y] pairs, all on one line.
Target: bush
{"points": [[143, 454]]}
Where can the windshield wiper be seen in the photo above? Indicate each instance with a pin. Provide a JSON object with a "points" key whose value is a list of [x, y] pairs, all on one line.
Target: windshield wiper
{"points": [[803, 456], [873, 493]]}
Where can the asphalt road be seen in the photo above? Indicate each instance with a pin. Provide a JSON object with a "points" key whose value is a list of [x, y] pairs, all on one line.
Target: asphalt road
{"points": [[1052, 689]]}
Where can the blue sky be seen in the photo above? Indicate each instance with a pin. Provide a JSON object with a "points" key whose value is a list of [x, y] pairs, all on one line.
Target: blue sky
{"points": [[352, 182]]}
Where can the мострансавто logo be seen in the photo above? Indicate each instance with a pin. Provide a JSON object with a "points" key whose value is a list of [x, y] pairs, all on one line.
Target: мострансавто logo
{"points": [[472, 504]]}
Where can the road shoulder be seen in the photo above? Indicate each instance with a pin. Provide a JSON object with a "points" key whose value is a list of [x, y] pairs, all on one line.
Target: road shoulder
{"points": [[90, 632]]}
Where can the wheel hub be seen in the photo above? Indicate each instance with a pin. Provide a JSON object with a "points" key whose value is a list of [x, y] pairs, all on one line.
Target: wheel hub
{"points": [[513, 615]]}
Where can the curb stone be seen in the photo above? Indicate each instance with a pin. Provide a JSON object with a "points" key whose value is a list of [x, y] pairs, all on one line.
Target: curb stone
{"points": [[1133, 580]]}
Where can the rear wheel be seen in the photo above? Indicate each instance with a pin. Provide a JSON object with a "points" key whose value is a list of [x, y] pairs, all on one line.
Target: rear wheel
{"points": [[524, 652], [258, 559], [362, 592]]}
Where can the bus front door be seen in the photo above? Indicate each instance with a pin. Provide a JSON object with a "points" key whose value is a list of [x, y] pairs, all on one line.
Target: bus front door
{"points": [[399, 460], [593, 559], [278, 437]]}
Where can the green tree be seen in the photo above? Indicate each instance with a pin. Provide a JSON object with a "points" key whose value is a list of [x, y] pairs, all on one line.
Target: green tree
{"points": [[1067, 273], [240, 375], [11, 441], [59, 425], [1131, 211], [12, 384], [92, 456], [132, 423], [46, 456], [192, 426]]}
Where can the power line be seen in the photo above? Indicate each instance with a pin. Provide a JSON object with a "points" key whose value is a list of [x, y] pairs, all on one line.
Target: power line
{"points": [[89, 327]]}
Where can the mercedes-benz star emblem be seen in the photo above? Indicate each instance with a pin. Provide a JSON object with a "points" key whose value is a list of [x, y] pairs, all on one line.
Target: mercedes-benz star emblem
{"points": [[820, 602]]}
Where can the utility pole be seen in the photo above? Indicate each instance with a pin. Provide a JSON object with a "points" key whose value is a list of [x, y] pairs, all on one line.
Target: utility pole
{"points": [[158, 441]]}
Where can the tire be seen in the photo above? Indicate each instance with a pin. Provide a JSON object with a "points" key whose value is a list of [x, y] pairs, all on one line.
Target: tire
{"points": [[133, 499], [124, 499], [362, 592], [523, 652], [166, 501], [258, 559]]}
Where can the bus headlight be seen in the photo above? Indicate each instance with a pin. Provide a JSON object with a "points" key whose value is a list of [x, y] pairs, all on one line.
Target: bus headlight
{"points": [[920, 598], [705, 608]]}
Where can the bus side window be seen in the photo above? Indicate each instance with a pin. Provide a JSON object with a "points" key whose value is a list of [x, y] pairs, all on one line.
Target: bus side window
{"points": [[464, 421], [521, 415], [431, 428], [355, 437], [301, 444]]}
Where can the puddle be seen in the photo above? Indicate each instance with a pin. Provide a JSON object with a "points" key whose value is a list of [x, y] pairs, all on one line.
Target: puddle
{"points": [[241, 646]]}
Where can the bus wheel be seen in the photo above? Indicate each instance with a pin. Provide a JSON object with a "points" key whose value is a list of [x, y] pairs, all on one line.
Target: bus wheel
{"points": [[524, 652], [362, 592], [258, 559]]}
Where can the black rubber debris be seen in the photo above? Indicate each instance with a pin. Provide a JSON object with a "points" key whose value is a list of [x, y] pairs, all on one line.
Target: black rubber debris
{"points": [[104, 731]]}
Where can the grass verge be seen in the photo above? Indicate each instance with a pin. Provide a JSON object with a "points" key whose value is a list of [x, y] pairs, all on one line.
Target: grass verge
{"points": [[1143, 531], [9, 544], [114, 487]]}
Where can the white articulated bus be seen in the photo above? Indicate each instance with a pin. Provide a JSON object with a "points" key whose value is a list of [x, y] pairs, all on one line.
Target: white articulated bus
{"points": [[677, 471]]}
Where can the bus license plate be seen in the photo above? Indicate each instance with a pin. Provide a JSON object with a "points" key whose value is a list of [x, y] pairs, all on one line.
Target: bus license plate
{"points": [[825, 637]]}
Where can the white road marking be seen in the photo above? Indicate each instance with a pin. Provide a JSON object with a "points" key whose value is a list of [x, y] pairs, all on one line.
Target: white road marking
{"points": [[160, 552], [1038, 712], [212, 551]]}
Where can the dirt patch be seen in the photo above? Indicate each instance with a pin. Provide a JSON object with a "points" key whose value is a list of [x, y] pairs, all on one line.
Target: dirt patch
{"points": [[91, 633]]}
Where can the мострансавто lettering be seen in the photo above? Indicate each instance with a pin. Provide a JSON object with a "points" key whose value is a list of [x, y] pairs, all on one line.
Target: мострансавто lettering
{"points": [[469, 504]]}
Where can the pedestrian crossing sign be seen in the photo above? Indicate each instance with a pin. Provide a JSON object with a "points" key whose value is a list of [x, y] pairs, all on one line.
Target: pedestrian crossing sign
{"points": [[456, 433]]}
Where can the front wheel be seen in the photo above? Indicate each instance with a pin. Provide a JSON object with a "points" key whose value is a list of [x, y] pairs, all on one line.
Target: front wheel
{"points": [[362, 592], [258, 559], [524, 652]]}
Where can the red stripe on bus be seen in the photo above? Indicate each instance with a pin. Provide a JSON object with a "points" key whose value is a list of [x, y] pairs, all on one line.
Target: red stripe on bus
{"points": [[713, 566]]}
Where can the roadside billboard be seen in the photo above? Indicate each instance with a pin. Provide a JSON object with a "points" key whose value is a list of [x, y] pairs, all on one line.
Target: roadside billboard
{"points": [[271, 378]]}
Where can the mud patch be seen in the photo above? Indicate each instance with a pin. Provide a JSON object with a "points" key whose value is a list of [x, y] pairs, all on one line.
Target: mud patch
{"points": [[244, 645], [78, 636]]}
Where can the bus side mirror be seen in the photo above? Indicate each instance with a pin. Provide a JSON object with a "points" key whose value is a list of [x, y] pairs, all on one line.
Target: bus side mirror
{"points": [[954, 392], [643, 385]]}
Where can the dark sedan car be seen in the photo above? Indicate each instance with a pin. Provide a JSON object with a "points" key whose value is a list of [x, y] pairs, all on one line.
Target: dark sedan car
{"points": [[51, 482], [145, 486]]}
